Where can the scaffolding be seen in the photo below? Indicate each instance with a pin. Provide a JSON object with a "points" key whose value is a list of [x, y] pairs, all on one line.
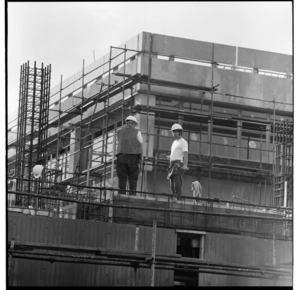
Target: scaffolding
{"points": [[283, 165], [79, 158], [31, 143], [104, 115]]}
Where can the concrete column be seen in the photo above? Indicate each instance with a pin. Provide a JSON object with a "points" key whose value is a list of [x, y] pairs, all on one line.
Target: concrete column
{"points": [[180, 118], [74, 146], [239, 135], [209, 134], [268, 135], [146, 127]]}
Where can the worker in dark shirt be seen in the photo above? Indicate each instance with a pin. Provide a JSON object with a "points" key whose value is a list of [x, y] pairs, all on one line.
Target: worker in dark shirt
{"points": [[129, 153]]}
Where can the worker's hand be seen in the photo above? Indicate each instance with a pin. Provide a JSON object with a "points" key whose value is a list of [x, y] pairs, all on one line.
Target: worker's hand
{"points": [[185, 168]]}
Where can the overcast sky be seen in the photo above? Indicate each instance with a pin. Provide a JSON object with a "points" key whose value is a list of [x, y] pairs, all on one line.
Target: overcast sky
{"points": [[63, 34]]}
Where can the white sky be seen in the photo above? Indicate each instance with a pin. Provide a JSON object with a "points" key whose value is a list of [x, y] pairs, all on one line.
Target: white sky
{"points": [[63, 34]]}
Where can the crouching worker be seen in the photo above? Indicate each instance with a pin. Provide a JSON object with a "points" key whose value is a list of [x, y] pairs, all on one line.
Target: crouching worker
{"points": [[129, 153], [178, 161]]}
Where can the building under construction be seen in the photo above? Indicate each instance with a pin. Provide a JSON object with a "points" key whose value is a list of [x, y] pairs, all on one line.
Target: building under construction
{"points": [[68, 225]]}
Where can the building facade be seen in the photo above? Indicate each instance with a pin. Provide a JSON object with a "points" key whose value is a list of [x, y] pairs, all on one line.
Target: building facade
{"points": [[236, 108]]}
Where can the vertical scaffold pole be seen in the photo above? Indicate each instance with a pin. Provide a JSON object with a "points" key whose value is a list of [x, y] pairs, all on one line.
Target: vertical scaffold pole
{"points": [[80, 134], [107, 119], [273, 179], [156, 156], [123, 89], [110, 213], [58, 133], [90, 159], [211, 119], [153, 254], [148, 96]]}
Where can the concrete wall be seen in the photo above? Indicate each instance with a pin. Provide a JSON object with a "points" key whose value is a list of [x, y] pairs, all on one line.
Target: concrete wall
{"points": [[244, 251], [247, 89], [220, 248], [225, 54], [219, 188], [86, 234]]}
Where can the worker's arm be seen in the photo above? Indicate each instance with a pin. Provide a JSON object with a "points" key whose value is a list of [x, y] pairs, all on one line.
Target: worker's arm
{"points": [[140, 137], [185, 160]]}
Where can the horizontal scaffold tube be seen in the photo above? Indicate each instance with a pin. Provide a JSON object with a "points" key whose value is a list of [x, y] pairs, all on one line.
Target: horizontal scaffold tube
{"points": [[149, 208], [104, 256]]}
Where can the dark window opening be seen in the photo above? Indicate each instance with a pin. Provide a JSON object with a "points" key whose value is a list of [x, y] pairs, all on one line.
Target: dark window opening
{"points": [[224, 131], [225, 123], [253, 126], [189, 245]]}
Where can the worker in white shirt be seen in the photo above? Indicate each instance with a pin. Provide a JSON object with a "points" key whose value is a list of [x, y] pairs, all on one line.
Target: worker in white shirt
{"points": [[196, 188], [178, 161], [129, 153]]}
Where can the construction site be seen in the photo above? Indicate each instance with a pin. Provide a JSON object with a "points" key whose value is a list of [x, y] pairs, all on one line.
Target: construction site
{"points": [[68, 224]]}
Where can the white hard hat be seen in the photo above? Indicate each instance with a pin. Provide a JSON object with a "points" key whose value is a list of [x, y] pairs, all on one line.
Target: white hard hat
{"points": [[131, 118], [176, 127], [37, 170]]}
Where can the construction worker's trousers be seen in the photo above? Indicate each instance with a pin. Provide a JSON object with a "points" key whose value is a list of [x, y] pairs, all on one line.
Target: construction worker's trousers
{"points": [[128, 169], [176, 179]]}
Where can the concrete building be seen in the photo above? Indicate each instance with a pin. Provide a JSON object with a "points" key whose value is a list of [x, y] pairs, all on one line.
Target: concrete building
{"points": [[236, 108]]}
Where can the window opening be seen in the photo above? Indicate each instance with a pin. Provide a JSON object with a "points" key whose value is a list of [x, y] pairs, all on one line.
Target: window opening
{"points": [[190, 244], [253, 143], [165, 136], [166, 103], [196, 136], [254, 115], [227, 111]]}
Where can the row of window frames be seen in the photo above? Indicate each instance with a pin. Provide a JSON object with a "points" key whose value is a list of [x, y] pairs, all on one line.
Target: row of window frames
{"points": [[191, 137], [217, 140], [259, 134], [230, 124], [195, 137], [250, 149], [228, 111], [231, 112], [166, 142], [227, 139]]}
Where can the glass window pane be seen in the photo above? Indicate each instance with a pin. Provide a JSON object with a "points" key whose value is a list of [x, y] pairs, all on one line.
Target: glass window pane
{"points": [[224, 146], [254, 115], [227, 111], [97, 151], [195, 107], [254, 150], [165, 139], [167, 103], [203, 144]]}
